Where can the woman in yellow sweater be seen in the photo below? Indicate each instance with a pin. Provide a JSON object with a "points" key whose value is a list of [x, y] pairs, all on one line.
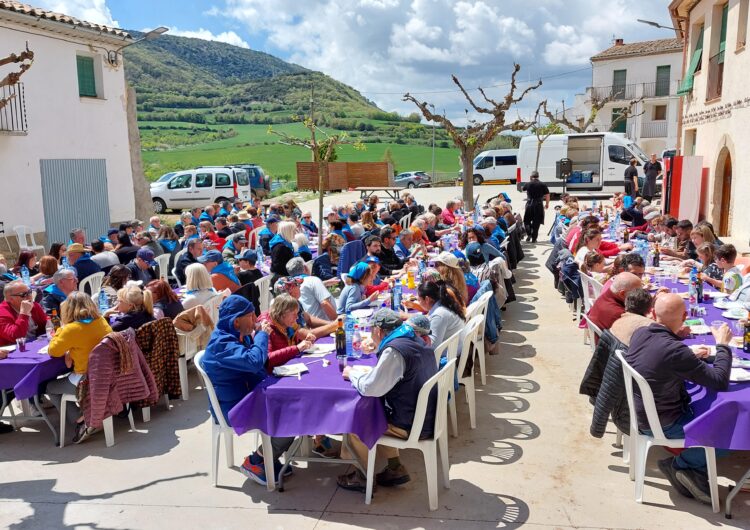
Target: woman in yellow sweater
{"points": [[83, 328]]}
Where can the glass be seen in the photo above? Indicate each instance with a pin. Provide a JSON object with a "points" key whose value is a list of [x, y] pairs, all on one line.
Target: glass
{"points": [[674, 290], [21, 344], [716, 325], [739, 328]]}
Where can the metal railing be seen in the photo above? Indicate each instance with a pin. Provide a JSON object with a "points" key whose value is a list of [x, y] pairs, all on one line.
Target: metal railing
{"points": [[615, 92], [654, 129], [715, 76], [13, 113], [658, 89]]}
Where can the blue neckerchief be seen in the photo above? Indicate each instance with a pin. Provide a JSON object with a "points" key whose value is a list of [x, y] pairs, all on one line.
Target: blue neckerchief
{"points": [[9, 276], [341, 233], [55, 291], [227, 270], [86, 320], [303, 248], [196, 221], [379, 222], [347, 228], [223, 213], [168, 244], [277, 239], [193, 291], [404, 330], [105, 239], [499, 233], [265, 231], [471, 280], [402, 247], [230, 245]]}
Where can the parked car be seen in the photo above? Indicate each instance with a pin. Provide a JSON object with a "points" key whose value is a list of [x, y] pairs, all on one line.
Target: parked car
{"points": [[260, 183], [198, 187], [413, 179]]}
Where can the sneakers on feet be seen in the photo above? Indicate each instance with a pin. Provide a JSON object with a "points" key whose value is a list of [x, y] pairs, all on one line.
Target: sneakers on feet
{"points": [[352, 481], [667, 468], [254, 471], [696, 483], [83, 433], [392, 477]]}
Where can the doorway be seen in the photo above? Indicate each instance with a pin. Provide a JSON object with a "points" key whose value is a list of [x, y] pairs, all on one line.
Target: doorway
{"points": [[724, 175]]}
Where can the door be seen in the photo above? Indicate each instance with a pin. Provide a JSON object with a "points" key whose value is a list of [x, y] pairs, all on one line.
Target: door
{"points": [[486, 167], [203, 190], [726, 196], [179, 191], [618, 83], [662, 81], [620, 126], [505, 168], [224, 186], [74, 195]]}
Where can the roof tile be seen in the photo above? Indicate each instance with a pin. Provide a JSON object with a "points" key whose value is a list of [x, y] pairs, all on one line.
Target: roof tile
{"points": [[648, 47], [37, 12]]}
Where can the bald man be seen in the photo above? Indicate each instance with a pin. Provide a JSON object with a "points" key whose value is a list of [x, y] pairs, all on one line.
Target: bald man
{"points": [[659, 355], [611, 303]]}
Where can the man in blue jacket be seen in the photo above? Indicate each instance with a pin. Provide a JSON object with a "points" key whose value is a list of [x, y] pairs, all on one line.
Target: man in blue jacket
{"points": [[81, 261], [236, 360]]}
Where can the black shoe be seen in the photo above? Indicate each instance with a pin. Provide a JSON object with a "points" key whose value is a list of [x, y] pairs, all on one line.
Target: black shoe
{"points": [[696, 483], [353, 481], [5, 428], [392, 477], [667, 468]]}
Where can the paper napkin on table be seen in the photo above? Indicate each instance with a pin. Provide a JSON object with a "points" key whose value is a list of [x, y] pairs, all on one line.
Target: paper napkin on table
{"points": [[290, 370]]}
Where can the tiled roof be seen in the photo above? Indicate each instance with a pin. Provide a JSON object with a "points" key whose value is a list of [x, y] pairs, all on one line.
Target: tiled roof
{"points": [[36, 12], [647, 47]]}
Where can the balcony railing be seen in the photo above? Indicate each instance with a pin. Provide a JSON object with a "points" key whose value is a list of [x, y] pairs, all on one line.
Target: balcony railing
{"points": [[654, 129], [630, 92], [658, 89], [615, 92], [13, 113], [715, 76]]}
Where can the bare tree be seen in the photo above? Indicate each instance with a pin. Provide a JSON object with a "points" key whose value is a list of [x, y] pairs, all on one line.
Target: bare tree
{"points": [[26, 58], [543, 131], [597, 104], [475, 135]]}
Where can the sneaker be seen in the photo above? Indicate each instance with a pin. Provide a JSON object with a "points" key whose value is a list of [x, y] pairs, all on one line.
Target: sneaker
{"points": [[392, 477], [696, 483], [666, 466], [254, 471], [353, 481], [83, 433], [277, 469], [326, 449]]}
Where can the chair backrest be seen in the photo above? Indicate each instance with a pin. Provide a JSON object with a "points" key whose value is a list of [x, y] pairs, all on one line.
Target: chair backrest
{"points": [[405, 221], [93, 282], [647, 397], [24, 234], [253, 240], [198, 361], [449, 347], [174, 268], [479, 307], [308, 267], [591, 290], [443, 379], [593, 328], [212, 306], [350, 254], [163, 261], [264, 287], [471, 335]]}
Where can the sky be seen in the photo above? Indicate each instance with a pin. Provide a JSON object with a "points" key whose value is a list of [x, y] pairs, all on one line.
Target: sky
{"points": [[384, 48]]}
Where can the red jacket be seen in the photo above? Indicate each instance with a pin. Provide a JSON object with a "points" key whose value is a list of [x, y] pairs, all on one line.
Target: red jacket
{"points": [[13, 325], [280, 347], [606, 309], [608, 249]]}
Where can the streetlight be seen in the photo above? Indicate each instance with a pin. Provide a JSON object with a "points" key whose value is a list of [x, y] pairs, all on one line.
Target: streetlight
{"points": [[151, 35], [657, 25]]}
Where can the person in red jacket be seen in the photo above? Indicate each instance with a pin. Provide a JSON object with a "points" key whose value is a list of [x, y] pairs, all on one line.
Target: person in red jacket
{"points": [[16, 311], [287, 338]]}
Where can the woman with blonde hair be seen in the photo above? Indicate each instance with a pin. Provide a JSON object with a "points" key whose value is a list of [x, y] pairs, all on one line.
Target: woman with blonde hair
{"points": [[198, 285], [702, 234], [302, 246], [282, 249], [134, 308], [450, 271], [324, 266]]}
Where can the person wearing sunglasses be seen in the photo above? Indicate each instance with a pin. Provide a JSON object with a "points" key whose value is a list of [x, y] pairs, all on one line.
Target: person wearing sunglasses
{"points": [[20, 316]]}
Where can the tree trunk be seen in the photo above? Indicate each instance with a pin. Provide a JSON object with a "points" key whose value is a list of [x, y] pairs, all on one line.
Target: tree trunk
{"points": [[467, 162], [538, 152], [322, 170], [144, 208]]}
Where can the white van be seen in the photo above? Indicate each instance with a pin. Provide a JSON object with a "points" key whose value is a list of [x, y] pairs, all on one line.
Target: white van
{"points": [[497, 166], [599, 161], [193, 188]]}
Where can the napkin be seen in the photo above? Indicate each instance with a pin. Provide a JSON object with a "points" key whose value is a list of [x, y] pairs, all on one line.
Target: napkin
{"points": [[290, 370], [739, 374]]}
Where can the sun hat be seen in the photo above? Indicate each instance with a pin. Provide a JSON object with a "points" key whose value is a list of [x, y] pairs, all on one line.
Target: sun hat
{"points": [[146, 254], [211, 255], [242, 215], [448, 259], [77, 247]]}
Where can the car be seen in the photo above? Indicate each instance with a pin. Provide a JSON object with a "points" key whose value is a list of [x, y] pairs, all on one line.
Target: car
{"points": [[413, 179], [198, 187]]}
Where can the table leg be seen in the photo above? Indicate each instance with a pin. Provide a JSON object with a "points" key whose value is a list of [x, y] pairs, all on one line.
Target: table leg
{"points": [[735, 490], [288, 461], [46, 419]]}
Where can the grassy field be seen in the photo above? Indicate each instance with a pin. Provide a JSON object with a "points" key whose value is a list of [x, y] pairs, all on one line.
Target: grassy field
{"points": [[253, 144]]}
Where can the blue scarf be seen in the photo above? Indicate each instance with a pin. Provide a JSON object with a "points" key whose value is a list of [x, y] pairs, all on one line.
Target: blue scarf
{"points": [[404, 330], [230, 245], [265, 231], [227, 270], [55, 291], [277, 239], [341, 233], [223, 213], [302, 249], [471, 280], [402, 247], [196, 221], [168, 244], [9, 276]]}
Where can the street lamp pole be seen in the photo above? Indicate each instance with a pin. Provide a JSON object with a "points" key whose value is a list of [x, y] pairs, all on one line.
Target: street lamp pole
{"points": [[657, 25]]}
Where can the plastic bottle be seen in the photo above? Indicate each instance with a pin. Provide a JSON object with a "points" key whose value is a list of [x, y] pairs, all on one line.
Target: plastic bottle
{"points": [[693, 291], [593, 206], [396, 297], [356, 352], [25, 275], [65, 264], [349, 329], [49, 328], [103, 302], [746, 338], [341, 344], [259, 251]]}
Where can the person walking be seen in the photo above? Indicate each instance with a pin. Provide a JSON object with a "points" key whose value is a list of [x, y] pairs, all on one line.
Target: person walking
{"points": [[537, 201], [651, 169], [631, 179]]}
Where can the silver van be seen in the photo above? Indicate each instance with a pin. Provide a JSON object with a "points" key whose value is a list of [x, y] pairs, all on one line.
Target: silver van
{"points": [[193, 188]]}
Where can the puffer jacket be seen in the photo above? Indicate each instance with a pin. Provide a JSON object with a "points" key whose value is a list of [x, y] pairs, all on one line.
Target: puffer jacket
{"points": [[603, 383]]}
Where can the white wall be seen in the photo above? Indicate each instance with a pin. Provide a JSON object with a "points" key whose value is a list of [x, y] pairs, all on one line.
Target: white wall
{"points": [[62, 125]]}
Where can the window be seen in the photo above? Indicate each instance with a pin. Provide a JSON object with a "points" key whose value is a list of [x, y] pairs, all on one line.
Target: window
{"points": [[660, 112], [505, 161], [204, 180], [242, 178], [86, 77], [485, 163], [180, 182], [691, 138], [742, 25], [618, 83], [618, 125], [223, 180], [686, 87], [619, 155], [662, 80]]}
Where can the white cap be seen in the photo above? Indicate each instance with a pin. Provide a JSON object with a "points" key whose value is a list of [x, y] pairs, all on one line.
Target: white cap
{"points": [[327, 211], [447, 258]]}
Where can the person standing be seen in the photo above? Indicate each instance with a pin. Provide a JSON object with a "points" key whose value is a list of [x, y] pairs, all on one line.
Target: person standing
{"points": [[651, 169], [631, 179], [537, 201]]}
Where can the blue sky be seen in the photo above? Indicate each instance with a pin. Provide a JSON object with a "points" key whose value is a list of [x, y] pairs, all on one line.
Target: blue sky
{"points": [[384, 48]]}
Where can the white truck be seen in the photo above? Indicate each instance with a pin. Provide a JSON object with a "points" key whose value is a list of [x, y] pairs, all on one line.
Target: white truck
{"points": [[496, 166], [598, 161]]}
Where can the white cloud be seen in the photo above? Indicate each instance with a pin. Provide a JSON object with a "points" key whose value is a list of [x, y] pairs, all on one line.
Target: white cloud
{"points": [[95, 11], [228, 37], [570, 46]]}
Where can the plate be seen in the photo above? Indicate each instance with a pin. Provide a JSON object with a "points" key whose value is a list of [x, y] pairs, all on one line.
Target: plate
{"points": [[717, 294], [700, 329], [9, 348], [361, 313], [736, 342], [320, 348], [729, 315], [739, 374], [361, 369]]}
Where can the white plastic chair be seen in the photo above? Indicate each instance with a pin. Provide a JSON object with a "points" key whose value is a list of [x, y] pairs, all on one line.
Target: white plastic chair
{"points": [[470, 334], [448, 348], [25, 237], [430, 447], [174, 269], [641, 443], [188, 341], [219, 427], [93, 282], [264, 287], [109, 431], [480, 308], [405, 221], [591, 291], [163, 261], [212, 307]]}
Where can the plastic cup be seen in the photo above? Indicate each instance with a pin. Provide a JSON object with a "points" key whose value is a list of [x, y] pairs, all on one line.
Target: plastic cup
{"points": [[21, 344], [716, 325]]}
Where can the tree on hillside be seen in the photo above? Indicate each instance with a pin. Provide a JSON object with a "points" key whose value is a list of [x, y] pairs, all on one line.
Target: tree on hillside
{"points": [[476, 134], [628, 110], [26, 58], [543, 131], [388, 157]]}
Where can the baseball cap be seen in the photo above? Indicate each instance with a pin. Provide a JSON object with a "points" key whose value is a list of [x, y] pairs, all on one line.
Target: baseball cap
{"points": [[248, 255], [211, 255], [327, 211], [147, 255], [358, 270], [77, 247], [446, 258], [473, 250], [371, 259], [386, 319], [284, 283], [420, 324], [272, 219]]}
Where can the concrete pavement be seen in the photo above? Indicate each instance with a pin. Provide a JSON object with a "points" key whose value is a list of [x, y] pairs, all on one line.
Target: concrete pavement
{"points": [[530, 462]]}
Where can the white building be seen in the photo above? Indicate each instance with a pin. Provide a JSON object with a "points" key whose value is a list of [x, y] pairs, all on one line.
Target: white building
{"points": [[650, 70], [64, 136], [715, 120]]}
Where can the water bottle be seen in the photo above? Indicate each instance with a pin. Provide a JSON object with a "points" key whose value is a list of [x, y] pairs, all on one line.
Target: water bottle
{"points": [[593, 206], [693, 291], [65, 264], [612, 232], [49, 328], [259, 250], [422, 268], [356, 352], [349, 329], [103, 302], [396, 297], [25, 275]]}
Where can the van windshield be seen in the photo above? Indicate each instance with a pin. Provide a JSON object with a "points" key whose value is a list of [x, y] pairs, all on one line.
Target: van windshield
{"points": [[166, 176], [638, 152]]}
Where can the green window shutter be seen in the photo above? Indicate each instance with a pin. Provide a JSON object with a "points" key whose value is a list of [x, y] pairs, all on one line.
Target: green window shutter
{"points": [[622, 125], [662, 80], [687, 84], [86, 80], [723, 37]]}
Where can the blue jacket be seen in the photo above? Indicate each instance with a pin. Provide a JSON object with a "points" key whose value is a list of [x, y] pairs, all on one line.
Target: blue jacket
{"points": [[494, 319], [85, 267], [234, 367], [205, 216], [352, 297], [322, 267]]}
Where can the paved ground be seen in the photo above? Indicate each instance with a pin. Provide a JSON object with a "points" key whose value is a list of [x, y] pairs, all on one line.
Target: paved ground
{"points": [[530, 462]]}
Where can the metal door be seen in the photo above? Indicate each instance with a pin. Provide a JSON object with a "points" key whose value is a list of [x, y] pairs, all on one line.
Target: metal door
{"points": [[74, 194]]}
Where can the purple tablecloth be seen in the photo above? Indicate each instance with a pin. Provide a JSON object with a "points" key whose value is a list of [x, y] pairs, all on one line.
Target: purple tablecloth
{"points": [[25, 371], [322, 402], [722, 419]]}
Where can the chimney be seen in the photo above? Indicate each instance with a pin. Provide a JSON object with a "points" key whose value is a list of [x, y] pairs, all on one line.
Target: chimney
{"points": [[619, 42]]}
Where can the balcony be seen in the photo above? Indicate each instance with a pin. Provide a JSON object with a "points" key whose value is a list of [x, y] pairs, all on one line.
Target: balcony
{"points": [[13, 114], [658, 89], [654, 129], [715, 76], [615, 92]]}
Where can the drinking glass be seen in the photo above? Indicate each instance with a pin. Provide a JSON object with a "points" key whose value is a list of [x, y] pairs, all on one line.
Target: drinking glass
{"points": [[21, 344], [716, 325]]}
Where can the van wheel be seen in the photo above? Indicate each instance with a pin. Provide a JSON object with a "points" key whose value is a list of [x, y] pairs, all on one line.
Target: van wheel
{"points": [[159, 206], [219, 199], [478, 180]]}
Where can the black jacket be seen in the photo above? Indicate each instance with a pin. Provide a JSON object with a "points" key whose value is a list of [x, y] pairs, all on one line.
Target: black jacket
{"points": [[179, 268]]}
